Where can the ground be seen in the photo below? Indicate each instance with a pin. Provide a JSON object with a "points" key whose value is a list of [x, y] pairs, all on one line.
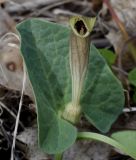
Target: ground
{"points": [[11, 73]]}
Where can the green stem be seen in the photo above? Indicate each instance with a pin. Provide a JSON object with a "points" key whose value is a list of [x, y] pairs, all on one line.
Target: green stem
{"points": [[59, 156], [101, 138]]}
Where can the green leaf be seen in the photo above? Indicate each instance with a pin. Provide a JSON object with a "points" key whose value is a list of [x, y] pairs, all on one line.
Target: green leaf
{"points": [[44, 47], [132, 77], [103, 98], [128, 140], [134, 95], [132, 80], [108, 55]]}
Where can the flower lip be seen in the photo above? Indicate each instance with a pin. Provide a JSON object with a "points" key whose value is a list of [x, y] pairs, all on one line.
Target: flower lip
{"points": [[80, 27]]}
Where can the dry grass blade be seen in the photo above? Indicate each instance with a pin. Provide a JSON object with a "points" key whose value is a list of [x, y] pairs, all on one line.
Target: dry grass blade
{"points": [[131, 109], [18, 115]]}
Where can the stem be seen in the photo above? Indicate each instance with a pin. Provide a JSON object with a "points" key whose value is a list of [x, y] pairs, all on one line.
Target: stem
{"points": [[59, 156], [101, 138]]}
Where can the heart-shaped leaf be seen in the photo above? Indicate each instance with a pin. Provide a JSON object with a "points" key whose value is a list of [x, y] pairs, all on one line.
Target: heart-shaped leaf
{"points": [[45, 48], [103, 98]]}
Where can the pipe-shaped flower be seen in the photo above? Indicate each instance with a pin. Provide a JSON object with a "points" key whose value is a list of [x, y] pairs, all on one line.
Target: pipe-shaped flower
{"points": [[79, 55]]}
